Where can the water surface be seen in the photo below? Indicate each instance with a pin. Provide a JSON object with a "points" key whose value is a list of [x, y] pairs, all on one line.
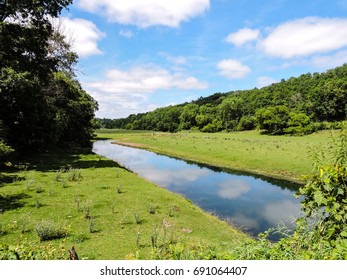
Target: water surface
{"points": [[253, 203]]}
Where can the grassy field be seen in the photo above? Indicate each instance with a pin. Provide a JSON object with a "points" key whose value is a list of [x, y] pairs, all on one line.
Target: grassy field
{"points": [[105, 211], [284, 157]]}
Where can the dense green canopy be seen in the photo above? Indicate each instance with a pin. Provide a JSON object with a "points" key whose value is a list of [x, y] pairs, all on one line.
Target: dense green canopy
{"points": [[41, 101]]}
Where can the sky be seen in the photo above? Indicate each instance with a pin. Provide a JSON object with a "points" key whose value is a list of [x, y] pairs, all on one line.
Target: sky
{"points": [[138, 55]]}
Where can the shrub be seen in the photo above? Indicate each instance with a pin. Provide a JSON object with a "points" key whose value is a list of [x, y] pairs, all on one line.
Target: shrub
{"points": [[48, 230]]}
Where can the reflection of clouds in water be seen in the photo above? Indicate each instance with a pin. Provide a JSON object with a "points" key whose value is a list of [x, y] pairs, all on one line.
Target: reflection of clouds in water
{"points": [[246, 222], [233, 188], [274, 212], [167, 177]]}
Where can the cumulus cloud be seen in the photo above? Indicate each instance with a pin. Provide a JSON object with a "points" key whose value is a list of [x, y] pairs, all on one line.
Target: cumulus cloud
{"points": [[307, 36], [146, 13], [232, 69], [242, 36], [145, 79], [84, 35], [122, 92]]}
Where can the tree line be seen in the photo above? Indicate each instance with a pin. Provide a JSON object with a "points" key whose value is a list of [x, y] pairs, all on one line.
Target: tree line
{"points": [[42, 102], [298, 105]]}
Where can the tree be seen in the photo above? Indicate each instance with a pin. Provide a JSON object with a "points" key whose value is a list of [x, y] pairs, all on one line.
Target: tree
{"points": [[273, 119], [231, 110], [188, 115], [41, 102]]}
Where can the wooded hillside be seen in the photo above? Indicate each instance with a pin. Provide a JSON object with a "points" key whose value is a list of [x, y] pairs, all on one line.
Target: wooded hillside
{"points": [[296, 106]]}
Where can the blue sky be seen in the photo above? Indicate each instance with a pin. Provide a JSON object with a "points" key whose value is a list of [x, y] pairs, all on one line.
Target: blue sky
{"points": [[138, 55]]}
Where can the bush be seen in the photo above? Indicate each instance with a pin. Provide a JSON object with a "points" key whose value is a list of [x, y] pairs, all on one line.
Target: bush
{"points": [[48, 230]]}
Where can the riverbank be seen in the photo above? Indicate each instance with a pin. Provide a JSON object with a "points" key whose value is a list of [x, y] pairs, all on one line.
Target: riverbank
{"points": [[281, 157], [103, 210]]}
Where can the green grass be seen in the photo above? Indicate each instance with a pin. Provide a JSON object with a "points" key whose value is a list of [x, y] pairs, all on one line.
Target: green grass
{"points": [[284, 157], [105, 211]]}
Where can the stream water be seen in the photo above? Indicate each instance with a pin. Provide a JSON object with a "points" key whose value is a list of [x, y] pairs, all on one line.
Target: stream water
{"points": [[253, 203]]}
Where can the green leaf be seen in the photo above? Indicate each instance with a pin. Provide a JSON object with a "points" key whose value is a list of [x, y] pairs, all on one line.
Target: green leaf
{"points": [[319, 198]]}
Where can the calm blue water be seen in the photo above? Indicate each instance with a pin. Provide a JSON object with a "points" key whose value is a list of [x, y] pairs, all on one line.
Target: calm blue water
{"points": [[252, 203]]}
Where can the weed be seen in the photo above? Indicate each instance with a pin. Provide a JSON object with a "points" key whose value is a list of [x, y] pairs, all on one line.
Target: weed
{"points": [[74, 175], [91, 224], [138, 237], [38, 204], [119, 189], [154, 236], [50, 190], [138, 219], [152, 209], [78, 201], [39, 189], [114, 208], [49, 230], [29, 184]]}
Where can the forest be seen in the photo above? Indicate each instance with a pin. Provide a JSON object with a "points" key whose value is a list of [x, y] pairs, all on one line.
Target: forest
{"points": [[296, 106], [42, 103]]}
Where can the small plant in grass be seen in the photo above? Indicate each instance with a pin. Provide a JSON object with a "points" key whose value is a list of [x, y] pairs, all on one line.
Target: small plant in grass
{"points": [[91, 224], [114, 208], [64, 184], [59, 175], [38, 204], [154, 237], [23, 223], [138, 219], [29, 184], [49, 230], [138, 237], [2, 229], [78, 202], [51, 190], [74, 175], [39, 189], [151, 208], [119, 189], [86, 209]]}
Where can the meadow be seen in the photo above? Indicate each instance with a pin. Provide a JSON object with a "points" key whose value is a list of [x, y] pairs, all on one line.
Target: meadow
{"points": [[284, 157], [53, 201]]}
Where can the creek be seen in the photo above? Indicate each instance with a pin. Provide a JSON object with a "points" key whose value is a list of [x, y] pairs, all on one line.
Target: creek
{"points": [[253, 203]]}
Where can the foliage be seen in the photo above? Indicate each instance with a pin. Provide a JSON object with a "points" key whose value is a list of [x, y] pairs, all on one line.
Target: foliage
{"points": [[49, 230], [326, 192], [25, 250], [41, 103]]}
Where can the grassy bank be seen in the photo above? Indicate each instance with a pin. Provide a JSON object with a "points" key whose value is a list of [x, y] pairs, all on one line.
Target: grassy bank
{"points": [[284, 157], [105, 211]]}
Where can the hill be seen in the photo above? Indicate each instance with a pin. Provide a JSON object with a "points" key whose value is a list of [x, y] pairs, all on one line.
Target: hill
{"points": [[298, 105]]}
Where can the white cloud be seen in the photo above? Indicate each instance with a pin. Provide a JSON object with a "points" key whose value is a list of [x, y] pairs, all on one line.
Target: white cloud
{"points": [[146, 13], [123, 92], [84, 35], [265, 81], [126, 33], [307, 36], [330, 61], [242, 36], [233, 69]]}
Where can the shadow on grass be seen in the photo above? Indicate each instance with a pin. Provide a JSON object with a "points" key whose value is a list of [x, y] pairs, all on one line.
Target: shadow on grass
{"points": [[11, 202], [62, 159], [8, 179]]}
